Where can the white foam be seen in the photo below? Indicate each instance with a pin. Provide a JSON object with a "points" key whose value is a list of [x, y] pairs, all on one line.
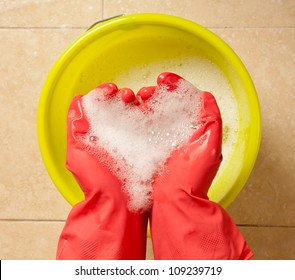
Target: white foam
{"points": [[141, 142], [204, 75]]}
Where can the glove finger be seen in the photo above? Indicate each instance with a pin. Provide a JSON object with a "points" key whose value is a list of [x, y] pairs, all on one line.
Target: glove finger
{"points": [[211, 119], [127, 95], [145, 93], [77, 123], [209, 128], [109, 90], [209, 110], [169, 80], [202, 155]]}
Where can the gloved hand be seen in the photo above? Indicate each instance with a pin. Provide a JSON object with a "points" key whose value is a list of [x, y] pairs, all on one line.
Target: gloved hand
{"points": [[101, 226], [184, 223]]}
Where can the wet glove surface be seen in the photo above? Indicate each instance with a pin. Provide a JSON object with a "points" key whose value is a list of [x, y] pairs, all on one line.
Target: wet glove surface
{"points": [[101, 226], [184, 223], [123, 183]]}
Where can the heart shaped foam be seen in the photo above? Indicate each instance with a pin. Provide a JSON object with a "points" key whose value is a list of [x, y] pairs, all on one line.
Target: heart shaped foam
{"points": [[140, 133]]}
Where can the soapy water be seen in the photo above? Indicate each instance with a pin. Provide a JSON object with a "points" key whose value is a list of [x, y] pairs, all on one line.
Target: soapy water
{"points": [[140, 142], [203, 74]]}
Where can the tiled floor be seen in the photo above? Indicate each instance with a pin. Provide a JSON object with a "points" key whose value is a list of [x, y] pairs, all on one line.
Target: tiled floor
{"points": [[33, 35]]}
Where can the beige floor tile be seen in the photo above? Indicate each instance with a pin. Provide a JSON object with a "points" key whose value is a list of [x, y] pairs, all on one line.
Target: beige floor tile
{"points": [[34, 240], [149, 250], [52, 13], [271, 243], [29, 240], [34, 33], [26, 190], [267, 243], [224, 13], [38, 240], [269, 55]]}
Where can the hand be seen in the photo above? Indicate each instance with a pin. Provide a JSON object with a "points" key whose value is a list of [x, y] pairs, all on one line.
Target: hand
{"points": [[101, 226], [184, 223]]}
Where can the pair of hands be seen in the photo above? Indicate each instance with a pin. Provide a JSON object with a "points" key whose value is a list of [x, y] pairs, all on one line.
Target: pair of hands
{"points": [[184, 223]]}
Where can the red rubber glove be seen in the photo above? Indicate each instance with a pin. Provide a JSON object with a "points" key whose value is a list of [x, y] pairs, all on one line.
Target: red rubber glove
{"points": [[101, 226], [184, 223]]}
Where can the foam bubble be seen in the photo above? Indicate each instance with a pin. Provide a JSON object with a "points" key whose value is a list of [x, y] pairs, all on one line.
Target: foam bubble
{"points": [[203, 74], [141, 142]]}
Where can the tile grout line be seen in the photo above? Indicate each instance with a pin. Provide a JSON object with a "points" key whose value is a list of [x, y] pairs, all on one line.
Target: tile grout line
{"points": [[86, 27], [61, 220], [42, 27], [33, 220], [266, 226], [251, 27]]}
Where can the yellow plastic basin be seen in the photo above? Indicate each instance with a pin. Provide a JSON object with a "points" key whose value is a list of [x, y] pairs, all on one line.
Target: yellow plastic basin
{"points": [[110, 47]]}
